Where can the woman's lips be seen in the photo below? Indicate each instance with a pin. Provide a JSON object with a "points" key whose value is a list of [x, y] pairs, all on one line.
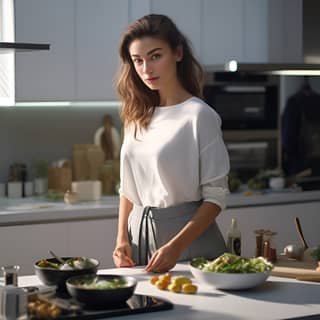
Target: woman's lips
{"points": [[152, 79]]}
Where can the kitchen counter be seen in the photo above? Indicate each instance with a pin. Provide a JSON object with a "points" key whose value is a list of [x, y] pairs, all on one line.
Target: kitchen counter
{"points": [[277, 298], [39, 210], [33, 225]]}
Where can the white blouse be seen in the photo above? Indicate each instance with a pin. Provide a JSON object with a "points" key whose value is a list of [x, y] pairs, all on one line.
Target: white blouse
{"points": [[180, 157]]}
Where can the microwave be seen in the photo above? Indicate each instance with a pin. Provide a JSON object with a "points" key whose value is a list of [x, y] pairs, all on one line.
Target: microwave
{"points": [[243, 101]]}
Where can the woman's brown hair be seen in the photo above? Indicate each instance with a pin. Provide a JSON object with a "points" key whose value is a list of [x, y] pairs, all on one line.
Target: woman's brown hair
{"points": [[138, 101]]}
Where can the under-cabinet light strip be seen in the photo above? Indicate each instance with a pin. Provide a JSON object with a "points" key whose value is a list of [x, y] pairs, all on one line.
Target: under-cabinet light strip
{"points": [[68, 104]]}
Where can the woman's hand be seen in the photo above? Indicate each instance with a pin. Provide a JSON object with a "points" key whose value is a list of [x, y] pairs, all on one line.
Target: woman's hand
{"points": [[164, 259], [122, 256]]}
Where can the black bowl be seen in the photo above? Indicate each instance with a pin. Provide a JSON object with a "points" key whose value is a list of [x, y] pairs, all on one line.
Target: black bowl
{"points": [[56, 277], [101, 298]]}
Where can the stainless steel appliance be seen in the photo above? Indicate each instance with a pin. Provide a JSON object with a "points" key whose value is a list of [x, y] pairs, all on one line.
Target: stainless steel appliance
{"points": [[243, 100], [252, 151], [248, 105]]}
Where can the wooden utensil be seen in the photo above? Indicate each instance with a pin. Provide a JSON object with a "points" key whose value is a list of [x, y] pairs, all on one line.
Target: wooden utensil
{"points": [[309, 278], [299, 229]]}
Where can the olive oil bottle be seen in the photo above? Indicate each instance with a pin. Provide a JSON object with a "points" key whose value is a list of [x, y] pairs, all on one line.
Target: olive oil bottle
{"points": [[234, 238]]}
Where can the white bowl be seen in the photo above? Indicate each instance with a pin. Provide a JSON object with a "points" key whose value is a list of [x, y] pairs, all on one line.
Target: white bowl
{"points": [[229, 281]]}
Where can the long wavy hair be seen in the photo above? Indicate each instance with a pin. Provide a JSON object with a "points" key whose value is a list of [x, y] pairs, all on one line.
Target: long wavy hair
{"points": [[139, 101]]}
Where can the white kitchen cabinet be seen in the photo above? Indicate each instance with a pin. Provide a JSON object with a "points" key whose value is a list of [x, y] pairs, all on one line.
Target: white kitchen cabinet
{"points": [[98, 28], [278, 218], [285, 31], [84, 36], [222, 31], [93, 238], [255, 31], [45, 75], [25, 244], [82, 61], [187, 16]]}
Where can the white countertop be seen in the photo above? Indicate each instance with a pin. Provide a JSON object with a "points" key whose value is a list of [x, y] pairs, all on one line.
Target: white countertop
{"points": [[39, 210], [277, 298]]}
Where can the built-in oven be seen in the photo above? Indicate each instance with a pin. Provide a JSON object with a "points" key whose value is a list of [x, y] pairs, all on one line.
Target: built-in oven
{"points": [[243, 101], [248, 105]]}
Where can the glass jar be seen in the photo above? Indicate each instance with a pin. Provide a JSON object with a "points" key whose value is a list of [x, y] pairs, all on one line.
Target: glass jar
{"points": [[10, 274]]}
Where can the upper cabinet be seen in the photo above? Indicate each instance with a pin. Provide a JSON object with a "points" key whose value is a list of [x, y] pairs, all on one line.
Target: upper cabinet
{"points": [[47, 75], [84, 36], [285, 31], [82, 60], [187, 16], [222, 31], [98, 28]]}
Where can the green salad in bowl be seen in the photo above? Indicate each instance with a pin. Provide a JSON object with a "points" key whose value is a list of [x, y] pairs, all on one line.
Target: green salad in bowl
{"points": [[231, 272], [101, 291]]}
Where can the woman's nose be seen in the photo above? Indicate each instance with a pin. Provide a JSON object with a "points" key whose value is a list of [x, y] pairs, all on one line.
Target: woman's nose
{"points": [[146, 67]]}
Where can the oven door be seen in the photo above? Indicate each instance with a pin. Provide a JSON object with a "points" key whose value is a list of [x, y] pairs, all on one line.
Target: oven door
{"points": [[246, 155], [244, 107]]}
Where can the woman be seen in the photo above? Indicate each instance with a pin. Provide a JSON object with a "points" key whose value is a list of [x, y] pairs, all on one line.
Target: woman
{"points": [[174, 163]]}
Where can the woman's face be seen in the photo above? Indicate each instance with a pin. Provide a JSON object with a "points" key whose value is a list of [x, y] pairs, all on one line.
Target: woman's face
{"points": [[155, 62]]}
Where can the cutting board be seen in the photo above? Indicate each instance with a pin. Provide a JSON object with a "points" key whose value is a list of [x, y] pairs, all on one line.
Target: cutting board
{"points": [[301, 270]]}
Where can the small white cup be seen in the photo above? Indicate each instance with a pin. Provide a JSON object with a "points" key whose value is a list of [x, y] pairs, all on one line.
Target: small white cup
{"points": [[2, 190], [15, 189], [40, 185], [276, 183], [28, 188]]}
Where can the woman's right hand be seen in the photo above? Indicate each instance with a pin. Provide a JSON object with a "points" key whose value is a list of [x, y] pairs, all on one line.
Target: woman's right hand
{"points": [[122, 256]]}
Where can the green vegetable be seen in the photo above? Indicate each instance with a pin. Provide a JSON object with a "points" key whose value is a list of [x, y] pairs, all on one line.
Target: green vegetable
{"points": [[101, 284], [230, 263], [54, 195], [47, 264], [75, 263], [199, 262], [316, 253], [233, 182]]}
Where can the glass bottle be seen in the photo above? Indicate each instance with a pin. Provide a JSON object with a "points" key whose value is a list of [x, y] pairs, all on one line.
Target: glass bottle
{"points": [[234, 238]]}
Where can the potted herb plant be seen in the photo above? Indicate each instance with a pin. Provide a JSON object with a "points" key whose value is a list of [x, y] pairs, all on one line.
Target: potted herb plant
{"points": [[315, 254]]}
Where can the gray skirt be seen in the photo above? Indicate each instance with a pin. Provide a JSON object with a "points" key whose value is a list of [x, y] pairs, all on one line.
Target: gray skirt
{"points": [[149, 228]]}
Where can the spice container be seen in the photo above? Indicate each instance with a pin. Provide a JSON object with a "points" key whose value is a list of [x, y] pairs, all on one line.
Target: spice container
{"points": [[10, 274], [268, 249], [259, 242]]}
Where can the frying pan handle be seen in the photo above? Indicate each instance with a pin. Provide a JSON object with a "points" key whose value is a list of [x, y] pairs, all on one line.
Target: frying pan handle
{"points": [[299, 229]]}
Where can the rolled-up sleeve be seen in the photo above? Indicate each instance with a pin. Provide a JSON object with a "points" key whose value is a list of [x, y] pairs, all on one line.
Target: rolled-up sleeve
{"points": [[214, 169], [216, 192]]}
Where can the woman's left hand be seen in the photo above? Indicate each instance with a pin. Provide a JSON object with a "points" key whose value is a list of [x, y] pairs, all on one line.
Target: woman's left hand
{"points": [[164, 259]]}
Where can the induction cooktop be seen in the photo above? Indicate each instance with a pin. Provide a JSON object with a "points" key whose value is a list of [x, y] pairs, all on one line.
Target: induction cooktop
{"points": [[136, 304]]}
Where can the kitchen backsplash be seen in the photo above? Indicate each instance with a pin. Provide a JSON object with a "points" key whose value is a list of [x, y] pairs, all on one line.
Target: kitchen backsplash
{"points": [[29, 134]]}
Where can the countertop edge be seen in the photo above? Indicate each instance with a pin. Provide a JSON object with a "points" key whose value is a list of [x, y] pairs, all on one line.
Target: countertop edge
{"points": [[21, 211]]}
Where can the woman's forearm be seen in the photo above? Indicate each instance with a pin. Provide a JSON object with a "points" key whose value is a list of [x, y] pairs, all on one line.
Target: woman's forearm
{"points": [[125, 207], [202, 219]]}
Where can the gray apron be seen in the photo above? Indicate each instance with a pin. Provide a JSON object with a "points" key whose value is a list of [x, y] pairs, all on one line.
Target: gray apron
{"points": [[149, 228]]}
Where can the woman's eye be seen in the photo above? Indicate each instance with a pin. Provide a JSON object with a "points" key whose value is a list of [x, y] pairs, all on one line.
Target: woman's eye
{"points": [[155, 56], [137, 61]]}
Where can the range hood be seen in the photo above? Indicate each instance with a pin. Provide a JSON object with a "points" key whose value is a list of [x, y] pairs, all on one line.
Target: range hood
{"points": [[310, 62], [6, 47]]}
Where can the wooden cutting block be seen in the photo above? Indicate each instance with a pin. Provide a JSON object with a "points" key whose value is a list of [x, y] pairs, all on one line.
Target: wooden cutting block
{"points": [[301, 270]]}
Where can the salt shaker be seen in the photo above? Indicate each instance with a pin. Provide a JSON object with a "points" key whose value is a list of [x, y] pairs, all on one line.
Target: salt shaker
{"points": [[13, 300]]}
